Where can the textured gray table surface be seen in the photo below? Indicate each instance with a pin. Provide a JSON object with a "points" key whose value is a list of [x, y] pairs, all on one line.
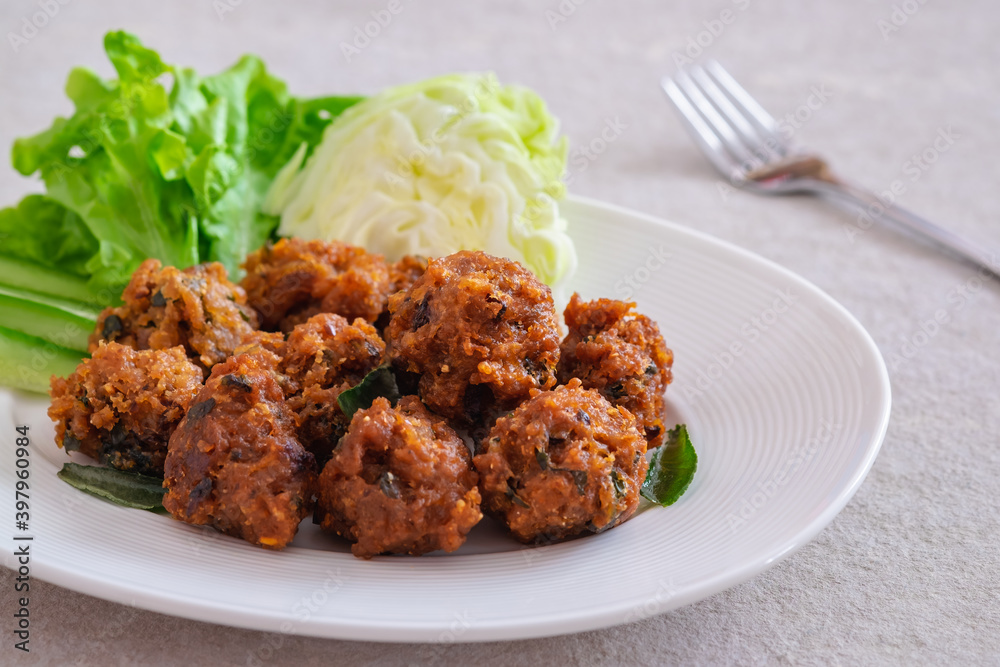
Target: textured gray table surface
{"points": [[908, 572]]}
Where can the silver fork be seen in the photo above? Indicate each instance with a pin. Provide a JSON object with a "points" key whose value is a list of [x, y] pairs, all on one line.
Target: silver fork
{"points": [[743, 142]]}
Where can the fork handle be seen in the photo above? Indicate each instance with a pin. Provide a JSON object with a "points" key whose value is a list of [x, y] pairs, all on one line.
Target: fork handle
{"points": [[871, 208]]}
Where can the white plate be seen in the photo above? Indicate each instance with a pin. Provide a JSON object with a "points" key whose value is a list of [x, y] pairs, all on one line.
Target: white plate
{"points": [[785, 395]]}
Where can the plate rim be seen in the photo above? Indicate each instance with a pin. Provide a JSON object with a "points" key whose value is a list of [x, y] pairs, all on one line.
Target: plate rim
{"points": [[512, 628]]}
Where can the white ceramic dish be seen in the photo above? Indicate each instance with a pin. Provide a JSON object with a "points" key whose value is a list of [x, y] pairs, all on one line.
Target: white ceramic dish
{"points": [[785, 395]]}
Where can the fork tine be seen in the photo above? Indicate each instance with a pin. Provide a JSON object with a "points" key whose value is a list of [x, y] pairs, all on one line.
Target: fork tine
{"points": [[722, 128], [706, 137], [765, 150], [743, 100]]}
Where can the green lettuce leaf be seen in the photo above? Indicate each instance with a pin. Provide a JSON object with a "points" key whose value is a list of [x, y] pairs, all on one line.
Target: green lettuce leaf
{"points": [[159, 162], [43, 231], [142, 171], [27, 362]]}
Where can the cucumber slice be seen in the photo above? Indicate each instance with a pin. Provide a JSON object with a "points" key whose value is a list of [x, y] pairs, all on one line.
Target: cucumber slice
{"points": [[27, 362], [55, 325]]}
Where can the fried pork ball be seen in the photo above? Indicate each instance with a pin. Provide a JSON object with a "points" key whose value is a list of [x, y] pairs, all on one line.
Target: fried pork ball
{"points": [[621, 354], [290, 281], [323, 357], [234, 462], [121, 405], [197, 308], [477, 329], [401, 481], [565, 462]]}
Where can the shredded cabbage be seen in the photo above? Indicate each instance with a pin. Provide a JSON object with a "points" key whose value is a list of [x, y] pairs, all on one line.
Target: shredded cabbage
{"points": [[456, 162]]}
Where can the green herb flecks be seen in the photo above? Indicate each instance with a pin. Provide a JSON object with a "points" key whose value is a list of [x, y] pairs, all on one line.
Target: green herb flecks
{"points": [[379, 382], [579, 478], [543, 459], [618, 483], [514, 498], [127, 489], [671, 469]]}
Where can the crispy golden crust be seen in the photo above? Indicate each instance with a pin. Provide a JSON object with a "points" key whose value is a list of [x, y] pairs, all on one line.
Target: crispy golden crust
{"points": [[322, 358], [197, 308], [234, 462], [292, 280], [400, 481], [121, 405], [473, 334], [404, 273], [621, 354], [475, 321], [563, 463]]}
